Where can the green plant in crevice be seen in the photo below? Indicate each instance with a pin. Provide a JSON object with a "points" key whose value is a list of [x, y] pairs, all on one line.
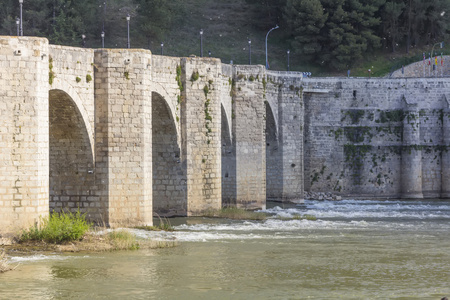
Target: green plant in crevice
{"points": [[77, 79], [206, 90], [126, 74], [88, 78], [195, 76], [208, 117], [51, 74], [180, 88]]}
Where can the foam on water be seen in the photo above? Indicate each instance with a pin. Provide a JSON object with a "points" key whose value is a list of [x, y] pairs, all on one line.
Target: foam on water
{"points": [[331, 215], [38, 257]]}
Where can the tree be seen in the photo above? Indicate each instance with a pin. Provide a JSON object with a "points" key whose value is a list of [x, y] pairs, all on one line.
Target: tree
{"points": [[350, 31], [305, 19], [157, 17]]}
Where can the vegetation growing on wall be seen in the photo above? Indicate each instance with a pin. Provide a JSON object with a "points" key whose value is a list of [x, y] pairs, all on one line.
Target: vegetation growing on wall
{"points": [[51, 74], [181, 89], [208, 118]]}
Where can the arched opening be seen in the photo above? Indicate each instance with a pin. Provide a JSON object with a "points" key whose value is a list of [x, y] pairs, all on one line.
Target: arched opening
{"points": [[273, 158], [228, 164], [72, 178], [169, 179]]}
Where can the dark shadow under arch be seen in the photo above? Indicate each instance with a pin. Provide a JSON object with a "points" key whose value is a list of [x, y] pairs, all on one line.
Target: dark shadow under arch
{"points": [[72, 178], [273, 158], [169, 179], [228, 163]]}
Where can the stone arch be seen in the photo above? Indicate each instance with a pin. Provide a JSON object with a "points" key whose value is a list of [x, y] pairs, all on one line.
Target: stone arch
{"points": [[71, 172], [272, 107], [273, 156], [228, 162], [169, 179], [58, 85], [161, 90]]}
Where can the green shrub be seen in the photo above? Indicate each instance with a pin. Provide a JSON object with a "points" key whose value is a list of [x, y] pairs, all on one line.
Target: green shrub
{"points": [[58, 228]]}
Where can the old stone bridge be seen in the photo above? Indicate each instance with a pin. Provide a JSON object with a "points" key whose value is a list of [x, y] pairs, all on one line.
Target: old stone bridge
{"points": [[122, 135]]}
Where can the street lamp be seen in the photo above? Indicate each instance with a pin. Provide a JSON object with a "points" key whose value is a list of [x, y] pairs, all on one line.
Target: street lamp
{"points": [[103, 39], [441, 45], [267, 60], [104, 15], [128, 31], [18, 25], [83, 40], [288, 59], [201, 42], [249, 51], [162, 48], [21, 20]]}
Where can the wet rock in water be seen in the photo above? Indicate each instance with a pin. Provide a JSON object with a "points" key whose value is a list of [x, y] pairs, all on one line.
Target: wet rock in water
{"points": [[321, 196]]}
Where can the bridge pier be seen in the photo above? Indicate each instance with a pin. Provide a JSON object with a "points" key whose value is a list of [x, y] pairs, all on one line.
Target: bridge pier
{"points": [[200, 132], [291, 119], [24, 140], [445, 166], [249, 135], [411, 154], [123, 136]]}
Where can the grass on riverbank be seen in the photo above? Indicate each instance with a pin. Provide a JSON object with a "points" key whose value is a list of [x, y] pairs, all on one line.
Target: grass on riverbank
{"points": [[235, 214], [68, 232], [58, 228]]}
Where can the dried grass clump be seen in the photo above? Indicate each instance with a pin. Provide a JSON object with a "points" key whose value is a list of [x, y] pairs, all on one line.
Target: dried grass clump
{"points": [[4, 266]]}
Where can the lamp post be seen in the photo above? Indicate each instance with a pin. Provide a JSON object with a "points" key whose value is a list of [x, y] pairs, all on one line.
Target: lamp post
{"points": [[128, 31], [441, 45], [249, 51], [104, 16], [83, 40], [201, 42], [18, 24], [267, 60], [21, 20], [162, 48], [103, 39], [288, 59]]}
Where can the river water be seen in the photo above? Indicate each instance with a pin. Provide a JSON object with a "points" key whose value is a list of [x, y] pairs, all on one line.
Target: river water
{"points": [[355, 250]]}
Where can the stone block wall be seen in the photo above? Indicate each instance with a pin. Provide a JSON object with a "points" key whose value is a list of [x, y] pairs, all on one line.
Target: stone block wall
{"points": [[201, 128], [169, 176], [123, 135], [227, 141], [249, 134], [421, 69], [376, 138], [24, 171], [71, 121], [287, 169]]}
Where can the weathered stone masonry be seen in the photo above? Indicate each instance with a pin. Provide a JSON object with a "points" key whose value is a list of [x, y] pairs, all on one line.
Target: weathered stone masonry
{"points": [[124, 135]]}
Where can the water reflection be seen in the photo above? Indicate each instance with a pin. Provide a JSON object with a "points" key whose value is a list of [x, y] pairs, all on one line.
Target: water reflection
{"points": [[353, 252]]}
